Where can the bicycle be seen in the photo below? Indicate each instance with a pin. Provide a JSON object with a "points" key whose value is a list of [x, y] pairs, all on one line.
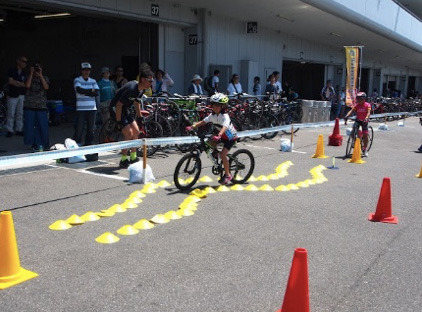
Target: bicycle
{"points": [[188, 169], [147, 128], [356, 133]]}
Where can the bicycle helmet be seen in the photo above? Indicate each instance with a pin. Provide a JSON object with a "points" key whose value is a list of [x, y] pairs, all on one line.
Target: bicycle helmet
{"points": [[219, 98], [361, 95]]}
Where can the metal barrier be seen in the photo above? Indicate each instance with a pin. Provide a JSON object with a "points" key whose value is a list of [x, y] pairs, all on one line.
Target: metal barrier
{"points": [[52, 155]]}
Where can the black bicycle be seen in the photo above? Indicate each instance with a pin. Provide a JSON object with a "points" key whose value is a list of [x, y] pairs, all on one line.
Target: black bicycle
{"points": [[188, 169], [356, 133]]}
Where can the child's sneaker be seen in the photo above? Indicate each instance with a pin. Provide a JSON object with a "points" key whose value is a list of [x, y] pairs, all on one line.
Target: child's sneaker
{"points": [[225, 179], [365, 153]]}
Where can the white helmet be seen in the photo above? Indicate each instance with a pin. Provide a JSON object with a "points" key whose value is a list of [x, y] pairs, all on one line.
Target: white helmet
{"points": [[219, 98]]}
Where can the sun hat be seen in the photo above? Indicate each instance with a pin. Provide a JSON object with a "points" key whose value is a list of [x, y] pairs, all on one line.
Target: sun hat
{"points": [[196, 77], [85, 65], [105, 70]]}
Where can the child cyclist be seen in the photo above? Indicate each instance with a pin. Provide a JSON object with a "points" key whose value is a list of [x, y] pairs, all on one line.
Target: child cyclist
{"points": [[363, 110], [227, 134]]}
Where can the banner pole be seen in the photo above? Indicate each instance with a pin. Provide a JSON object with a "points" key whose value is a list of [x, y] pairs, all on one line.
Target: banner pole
{"points": [[360, 65]]}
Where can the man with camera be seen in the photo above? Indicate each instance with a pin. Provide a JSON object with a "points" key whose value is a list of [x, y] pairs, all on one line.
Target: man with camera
{"points": [[35, 109]]}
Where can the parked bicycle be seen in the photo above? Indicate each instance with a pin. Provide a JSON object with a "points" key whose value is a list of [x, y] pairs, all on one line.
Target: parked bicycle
{"points": [[188, 169]]}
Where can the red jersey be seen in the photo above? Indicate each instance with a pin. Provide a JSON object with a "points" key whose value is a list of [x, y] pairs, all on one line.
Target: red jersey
{"points": [[362, 110]]}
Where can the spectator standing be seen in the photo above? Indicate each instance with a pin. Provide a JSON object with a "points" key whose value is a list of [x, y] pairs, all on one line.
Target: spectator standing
{"points": [[162, 82], [257, 89], [374, 94], [215, 81], [195, 87], [341, 101], [119, 79], [328, 93], [16, 95], [271, 87], [279, 88], [107, 91], [35, 110], [86, 90], [234, 86]]}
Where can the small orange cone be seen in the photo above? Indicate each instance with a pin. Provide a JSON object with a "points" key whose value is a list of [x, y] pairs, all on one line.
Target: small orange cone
{"points": [[356, 158], [335, 139], [384, 209], [11, 272], [319, 153], [420, 174], [296, 298]]}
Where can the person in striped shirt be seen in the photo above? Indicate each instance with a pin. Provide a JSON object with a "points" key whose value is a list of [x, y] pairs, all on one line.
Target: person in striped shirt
{"points": [[86, 90]]}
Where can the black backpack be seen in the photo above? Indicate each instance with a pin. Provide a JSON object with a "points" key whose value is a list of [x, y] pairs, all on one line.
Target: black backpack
{"points": [[208, 84]]}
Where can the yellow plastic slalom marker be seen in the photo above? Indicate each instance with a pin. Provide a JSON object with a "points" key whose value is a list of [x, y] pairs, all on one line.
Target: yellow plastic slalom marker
{"points": [[105, 213], [143, 224], [191, 206], [302, 184], [75, 220], [319, 153], [252, 188], [205, 179], [186, 212], [272, 176], [127, 230], [117, 208], [163, 183], [356, 158], [252, 179], [135, 199], [210, 190], [60, 225], [90, 216], [173, 215], [11, 272], [223, 188], [292, 186], [129, 204], [137, 194], [266, 188], [237, 187], [193, 198], [262, 178], [107, 238], [160, 219], [282, 188]]}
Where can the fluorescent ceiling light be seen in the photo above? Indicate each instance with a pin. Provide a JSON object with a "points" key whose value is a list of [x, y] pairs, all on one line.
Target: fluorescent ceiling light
{"points": [[1, 20], [335, 34], [285, 18], [51, 15]]}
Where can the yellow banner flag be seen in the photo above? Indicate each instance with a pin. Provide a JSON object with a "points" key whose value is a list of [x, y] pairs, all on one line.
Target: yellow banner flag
{"points": [[352, 72]]}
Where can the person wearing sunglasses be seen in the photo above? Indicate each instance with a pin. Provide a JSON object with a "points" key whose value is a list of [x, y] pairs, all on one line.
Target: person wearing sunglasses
{"points": [[16, 97], [121, 111]]}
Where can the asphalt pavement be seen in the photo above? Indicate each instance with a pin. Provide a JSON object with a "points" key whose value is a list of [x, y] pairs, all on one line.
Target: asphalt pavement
{"points": [[235, 252]]}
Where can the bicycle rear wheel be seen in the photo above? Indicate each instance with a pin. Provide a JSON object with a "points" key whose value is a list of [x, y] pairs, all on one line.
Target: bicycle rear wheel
{"points": [[108, 133], [350, 145], [152, 130], [242, 165], [187, 171], [271, 123]]}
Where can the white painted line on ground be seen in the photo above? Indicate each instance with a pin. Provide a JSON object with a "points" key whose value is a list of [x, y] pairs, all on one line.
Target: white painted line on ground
{"points": [[299, 152], [103, 175], [264, 147]]}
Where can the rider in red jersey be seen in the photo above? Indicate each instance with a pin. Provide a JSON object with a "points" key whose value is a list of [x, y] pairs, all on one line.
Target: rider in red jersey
{"points": [[363, 110]]}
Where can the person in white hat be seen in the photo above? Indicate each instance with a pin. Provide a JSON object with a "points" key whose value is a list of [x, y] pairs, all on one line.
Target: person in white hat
{"points": [[195, 87], [86, 90]]}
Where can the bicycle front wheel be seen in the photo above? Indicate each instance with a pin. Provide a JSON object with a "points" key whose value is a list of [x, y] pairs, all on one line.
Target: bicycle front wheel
{"points": [[350, 145], [370, 138], [108, 133], [242, 165], [187, 171]]}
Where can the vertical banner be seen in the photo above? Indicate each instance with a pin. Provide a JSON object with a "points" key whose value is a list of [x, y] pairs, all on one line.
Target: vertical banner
{"points": [[352, 72]]}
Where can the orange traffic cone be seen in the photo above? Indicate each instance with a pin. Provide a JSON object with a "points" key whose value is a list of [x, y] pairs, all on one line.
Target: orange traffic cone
{"points": [[356, 158], [335, 139], [383, 212], [420, 174], [296, 298], [11, 272], [319, 153]]}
